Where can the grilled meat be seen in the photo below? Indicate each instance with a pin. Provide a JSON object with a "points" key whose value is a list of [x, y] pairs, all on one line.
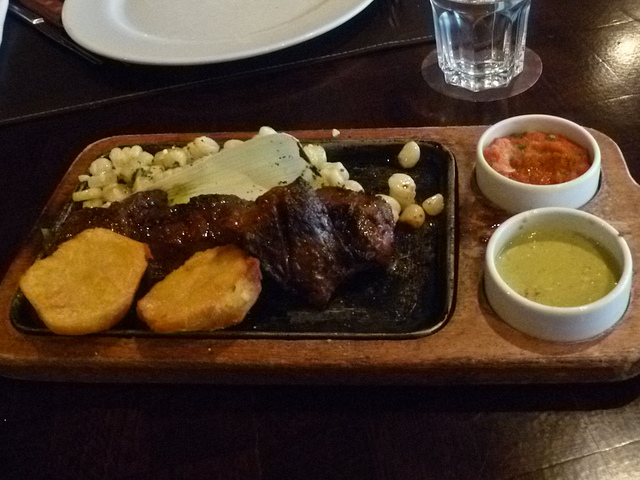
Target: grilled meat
{"points": [[308, 241]]}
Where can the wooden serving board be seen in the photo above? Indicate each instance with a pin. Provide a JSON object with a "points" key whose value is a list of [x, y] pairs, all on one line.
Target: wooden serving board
{"points": [[473, 347]]}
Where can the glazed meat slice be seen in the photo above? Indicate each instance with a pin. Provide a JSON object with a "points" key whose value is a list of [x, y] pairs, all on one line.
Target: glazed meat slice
{"points": [[174, 233], [308, 241], [207, 219], [130, 217], [181, 230]]}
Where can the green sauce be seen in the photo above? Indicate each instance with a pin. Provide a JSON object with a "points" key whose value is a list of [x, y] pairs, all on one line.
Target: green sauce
{"points": [[558, 268]]}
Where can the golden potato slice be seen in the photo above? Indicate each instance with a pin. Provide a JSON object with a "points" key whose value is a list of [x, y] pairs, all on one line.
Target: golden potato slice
{"points": [[213, 289], [88, 284]]}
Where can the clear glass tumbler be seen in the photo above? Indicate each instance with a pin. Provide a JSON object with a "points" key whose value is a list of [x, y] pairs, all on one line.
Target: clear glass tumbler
{"points": [[480, 43]]}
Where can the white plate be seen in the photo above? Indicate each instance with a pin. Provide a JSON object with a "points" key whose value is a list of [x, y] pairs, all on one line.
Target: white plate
{"points": [[191, 32], [4, 4]]}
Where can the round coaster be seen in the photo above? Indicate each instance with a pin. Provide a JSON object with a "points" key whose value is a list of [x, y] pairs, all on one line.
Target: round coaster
{"points": [[530, 74]]}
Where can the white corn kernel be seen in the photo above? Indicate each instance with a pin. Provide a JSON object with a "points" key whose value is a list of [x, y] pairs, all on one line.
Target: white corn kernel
{"points": [[202, 146], [134, 151], [125, 172], [403, 188], [88, 194], [118, 156], [232, 143], [144, 159], [409, 155], [115, 192], [413, 215], [353, 185], [100, 165], [102, 179], [341, 168], [434, 204], [316, 154], [93, 203], [266, 131], [331, 177], [334, 174], [158, 158], [171, 158], [393, 203]]}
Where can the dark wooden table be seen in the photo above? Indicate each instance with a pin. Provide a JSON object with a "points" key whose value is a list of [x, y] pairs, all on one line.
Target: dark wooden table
{"points": [[54, 104]]}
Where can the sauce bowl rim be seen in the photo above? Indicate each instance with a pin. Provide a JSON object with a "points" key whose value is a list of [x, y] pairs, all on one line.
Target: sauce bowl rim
{"points": [[489, 135], [509, 229]]}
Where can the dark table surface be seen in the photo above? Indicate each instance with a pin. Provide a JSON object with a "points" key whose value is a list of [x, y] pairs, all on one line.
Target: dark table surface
{"points": [[54, 103]]}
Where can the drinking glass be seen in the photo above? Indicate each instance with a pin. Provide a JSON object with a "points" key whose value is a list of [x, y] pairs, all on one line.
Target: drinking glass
{"points": [[481, 44]]}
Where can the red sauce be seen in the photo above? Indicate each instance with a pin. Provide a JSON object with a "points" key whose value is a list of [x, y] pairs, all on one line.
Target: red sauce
{"points": [[537, 158]]}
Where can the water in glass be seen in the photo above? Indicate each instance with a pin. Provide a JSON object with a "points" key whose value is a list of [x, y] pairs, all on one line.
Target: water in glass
{"points": [[480, 43]]}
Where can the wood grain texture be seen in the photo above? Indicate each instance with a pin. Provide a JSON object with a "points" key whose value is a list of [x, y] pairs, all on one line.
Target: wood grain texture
{"points": [[474, 346]]}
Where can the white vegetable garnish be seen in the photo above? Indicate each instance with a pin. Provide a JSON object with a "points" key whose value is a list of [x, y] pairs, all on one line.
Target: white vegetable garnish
{"points": [[247, 173], [247, 170]]}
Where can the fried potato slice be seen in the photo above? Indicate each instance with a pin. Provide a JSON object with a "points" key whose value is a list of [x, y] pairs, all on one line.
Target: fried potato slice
{"points": [[88, 284], [213, 289]]}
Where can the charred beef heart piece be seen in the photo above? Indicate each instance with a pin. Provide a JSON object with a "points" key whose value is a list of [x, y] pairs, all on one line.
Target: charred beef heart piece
{"points": [[363, 224], [308, 241]]}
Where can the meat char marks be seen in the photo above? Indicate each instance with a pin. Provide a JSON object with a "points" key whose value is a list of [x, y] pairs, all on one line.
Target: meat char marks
{"points": [[308, 241]]}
